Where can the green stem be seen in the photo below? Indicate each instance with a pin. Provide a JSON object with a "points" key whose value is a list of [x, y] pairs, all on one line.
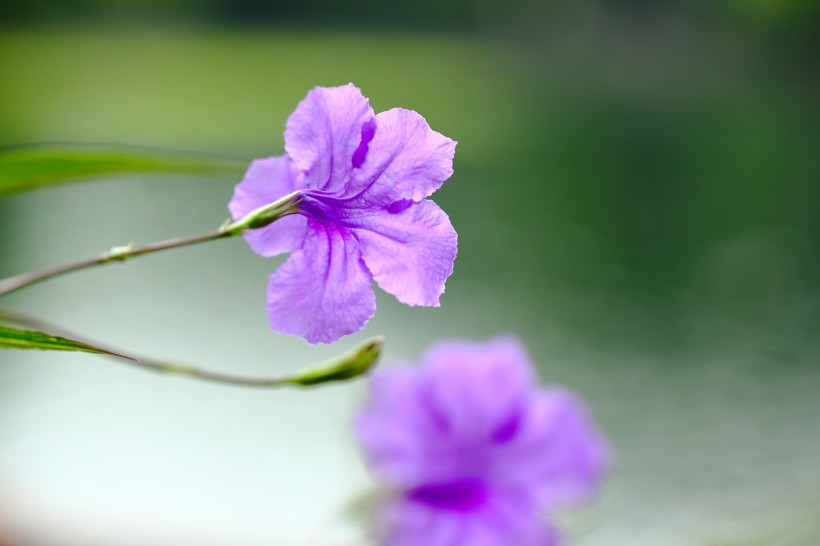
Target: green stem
{"points": [[256, 219], [355, 363]]}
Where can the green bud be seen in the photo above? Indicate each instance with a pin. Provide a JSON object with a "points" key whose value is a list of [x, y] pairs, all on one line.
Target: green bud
{"points": [[265, 215], [357, 363]]}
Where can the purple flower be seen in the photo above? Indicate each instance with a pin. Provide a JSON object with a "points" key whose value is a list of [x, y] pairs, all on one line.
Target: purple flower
{"points": [[474, 452], [363, 216]]}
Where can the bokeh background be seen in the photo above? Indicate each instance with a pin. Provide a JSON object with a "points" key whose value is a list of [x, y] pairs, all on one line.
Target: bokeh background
{"points": [[636, 191]]}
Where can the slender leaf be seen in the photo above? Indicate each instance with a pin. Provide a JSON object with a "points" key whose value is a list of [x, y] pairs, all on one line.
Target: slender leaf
{"points": [[28, 168], [14, 338]]}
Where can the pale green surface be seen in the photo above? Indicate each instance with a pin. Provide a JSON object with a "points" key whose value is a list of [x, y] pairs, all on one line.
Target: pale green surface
{"points": [[653, 239]]}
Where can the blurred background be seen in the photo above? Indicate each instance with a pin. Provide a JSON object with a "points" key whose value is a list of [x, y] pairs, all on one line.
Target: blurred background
{"points": [[636, 192]]}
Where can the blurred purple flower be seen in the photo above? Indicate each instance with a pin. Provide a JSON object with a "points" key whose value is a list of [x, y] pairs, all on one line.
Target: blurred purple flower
{"points": [[363, 216], [474, 452]]}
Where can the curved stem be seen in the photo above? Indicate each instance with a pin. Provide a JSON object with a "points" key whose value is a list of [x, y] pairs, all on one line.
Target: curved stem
{"points": [[356, 363], [122, 253], [255, 219]]}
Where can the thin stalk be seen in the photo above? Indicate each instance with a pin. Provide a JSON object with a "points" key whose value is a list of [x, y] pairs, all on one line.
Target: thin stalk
{"points": [[357, 362], [256, 219]]}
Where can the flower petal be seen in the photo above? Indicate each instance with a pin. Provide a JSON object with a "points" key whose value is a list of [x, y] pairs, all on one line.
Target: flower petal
{"points": [[410, 252], [265, 181], [323, 291], [406, 159], [511, 517], [324, 132], [396, 430], [405, 523], [435, 423], [481, 388], [559, 453], [507, 519]]}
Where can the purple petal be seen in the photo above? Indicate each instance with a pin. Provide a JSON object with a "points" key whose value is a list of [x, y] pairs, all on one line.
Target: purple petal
{"points": [[482, 389], [413, 524], [323, 291], [265, 181], [504, 520], [324, 133], [392, 428], [559, 452], [460, 494], [511, 517], [410, 253], [368, 130], [407, 159], [435, 423], [405, 439]]}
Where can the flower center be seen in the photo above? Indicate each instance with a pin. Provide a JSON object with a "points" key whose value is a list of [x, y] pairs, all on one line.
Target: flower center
{"points": [[322, 207], [460, 495]]}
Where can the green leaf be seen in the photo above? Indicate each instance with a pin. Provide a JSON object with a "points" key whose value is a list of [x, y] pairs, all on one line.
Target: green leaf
{"points": [[14, 338], [28, 168]]}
